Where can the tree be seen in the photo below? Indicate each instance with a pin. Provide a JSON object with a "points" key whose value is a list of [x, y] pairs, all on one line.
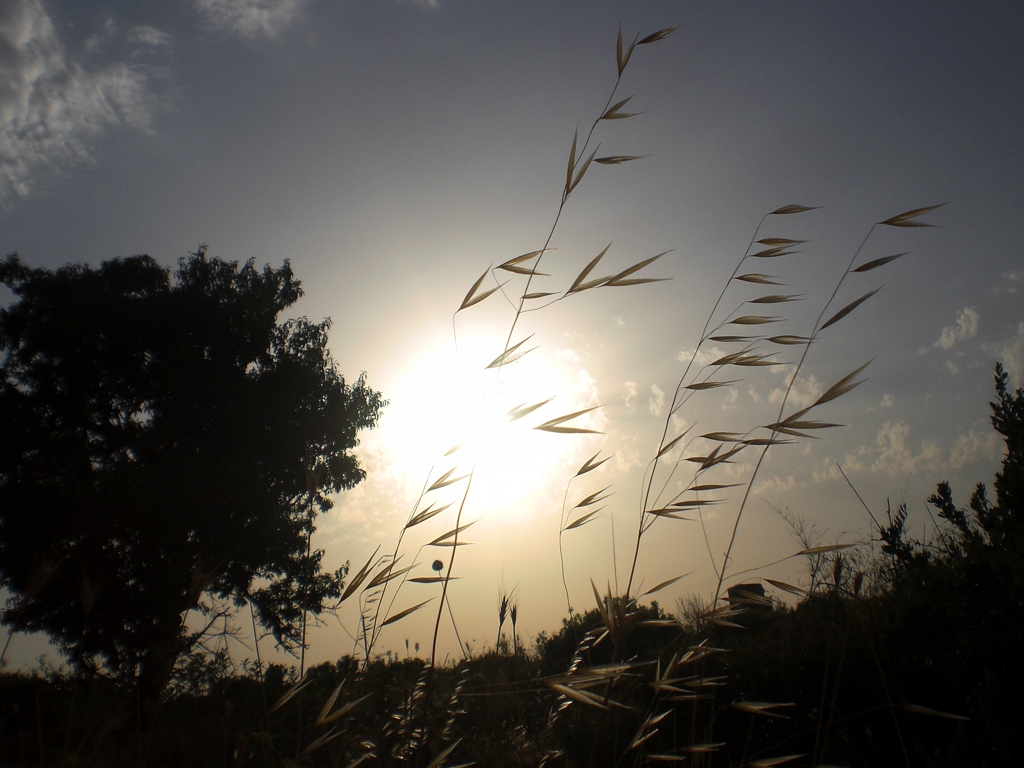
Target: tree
{"points": [[167, 446]]}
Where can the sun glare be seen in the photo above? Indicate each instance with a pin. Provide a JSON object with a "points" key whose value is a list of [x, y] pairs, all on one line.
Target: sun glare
{"points": [[460, 414]]}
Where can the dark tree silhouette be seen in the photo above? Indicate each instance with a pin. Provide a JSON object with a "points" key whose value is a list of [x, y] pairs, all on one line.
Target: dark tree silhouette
{"points": [[166, 444]]}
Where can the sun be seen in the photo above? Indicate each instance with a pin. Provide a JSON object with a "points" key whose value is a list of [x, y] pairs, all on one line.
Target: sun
{"points": [[457, 413]]}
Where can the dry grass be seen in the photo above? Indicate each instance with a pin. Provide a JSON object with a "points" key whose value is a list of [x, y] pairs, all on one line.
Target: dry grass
{"points": [[611, 690]]}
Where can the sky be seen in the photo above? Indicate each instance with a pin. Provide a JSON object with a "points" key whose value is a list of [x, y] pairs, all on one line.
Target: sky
{"points": [[395, 150]]}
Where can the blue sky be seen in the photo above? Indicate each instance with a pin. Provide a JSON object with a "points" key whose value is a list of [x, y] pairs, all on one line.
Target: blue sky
{"points": [[394, 150]]}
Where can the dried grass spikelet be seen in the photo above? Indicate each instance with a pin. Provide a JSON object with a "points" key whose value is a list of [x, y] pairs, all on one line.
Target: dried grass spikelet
{"points": [[619, 615]]}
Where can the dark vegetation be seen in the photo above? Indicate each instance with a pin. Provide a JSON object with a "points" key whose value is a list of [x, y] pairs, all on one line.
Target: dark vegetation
{"points": [[167, 446], [911, 660]]}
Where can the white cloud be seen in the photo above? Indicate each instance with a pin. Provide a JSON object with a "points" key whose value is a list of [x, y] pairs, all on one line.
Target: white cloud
{"points": [[803, 393], [630, 396], [430, 4], [567, 354], [774, 485], [249, 18], [149, 36], [973, 447], [51, 106], [1012, 356], [896, 458], [704, 356], [888, 401], [966, 327], [953, 367], [754, 395], [657, 403], [619, 321]]}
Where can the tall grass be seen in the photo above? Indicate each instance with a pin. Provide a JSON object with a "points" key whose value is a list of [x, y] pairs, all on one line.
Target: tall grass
{"points": [[683, 479], [666, 703]]}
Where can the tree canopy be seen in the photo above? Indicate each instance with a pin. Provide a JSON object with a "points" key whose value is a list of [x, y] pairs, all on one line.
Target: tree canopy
{"points": [[166, 442]]}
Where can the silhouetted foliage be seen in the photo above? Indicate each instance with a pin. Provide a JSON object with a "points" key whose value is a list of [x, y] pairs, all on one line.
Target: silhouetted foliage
{"points": [[167, 446]]}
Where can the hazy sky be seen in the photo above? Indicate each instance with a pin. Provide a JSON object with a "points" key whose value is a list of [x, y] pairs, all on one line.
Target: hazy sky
{"points": [[394, 150]]}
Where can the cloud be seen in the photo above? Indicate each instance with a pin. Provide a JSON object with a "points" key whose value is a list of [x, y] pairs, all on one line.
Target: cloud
{"points": [[774, 485], [1012, 356], [953, 367], [657, 403], [973, 447], [966, 327], [149, 36], [896, 458], [429, 4], [630, 397], [249, 18], [803, 393], [888, 401], [567, 354], [51, 106], [703, 357]]}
